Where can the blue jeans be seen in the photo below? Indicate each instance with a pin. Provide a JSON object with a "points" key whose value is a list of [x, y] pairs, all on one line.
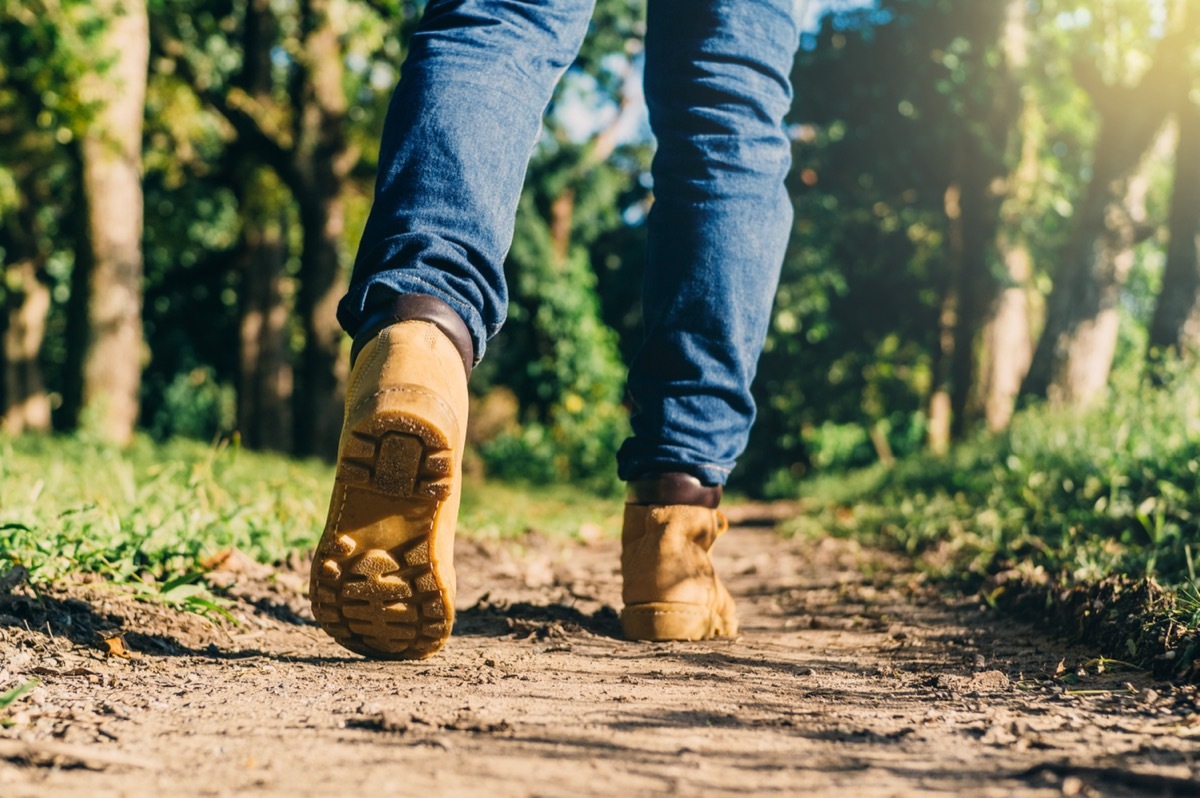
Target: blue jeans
{"points": [[456, 144]]}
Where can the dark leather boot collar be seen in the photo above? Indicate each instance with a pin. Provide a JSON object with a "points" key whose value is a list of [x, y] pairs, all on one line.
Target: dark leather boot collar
{"points": [[419, 307], [673, 488]]}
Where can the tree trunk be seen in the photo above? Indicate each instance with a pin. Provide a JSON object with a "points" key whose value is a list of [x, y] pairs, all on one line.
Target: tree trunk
{"points": [[939, 412], [322, 377], [265, 373], [970, 205], [1176, 323], [25, 404], [1075, 352], [111, 151], [321, 161], [76, 312], [977, 287], [1006, 340]]}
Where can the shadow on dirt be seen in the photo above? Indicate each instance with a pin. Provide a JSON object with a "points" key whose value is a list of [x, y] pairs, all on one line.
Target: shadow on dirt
{"points": [[84, 623], [95, 616], [524, 619]]}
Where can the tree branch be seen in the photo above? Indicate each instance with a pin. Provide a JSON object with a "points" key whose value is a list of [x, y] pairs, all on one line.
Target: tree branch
{"points": [[604, 142], [238, 108]]}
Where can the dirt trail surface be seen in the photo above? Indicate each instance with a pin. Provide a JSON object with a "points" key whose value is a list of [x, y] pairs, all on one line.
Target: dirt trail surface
{"points": [[850, 678]]}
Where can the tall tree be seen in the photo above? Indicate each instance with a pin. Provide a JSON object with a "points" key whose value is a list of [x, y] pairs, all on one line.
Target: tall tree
{"points": [[25, 188], [986, 106], [301, 129], [45, 48], [265, 371], [1074, 355], [913, 110], [1006, 340], [318, 163], [1176, 322], [24, 405], [111, 156]]}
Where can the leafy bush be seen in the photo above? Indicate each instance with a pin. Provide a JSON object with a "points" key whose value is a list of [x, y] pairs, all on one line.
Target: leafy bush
{"points": [[570, 391], [196, 405], [1082, 495], [578, 446]]}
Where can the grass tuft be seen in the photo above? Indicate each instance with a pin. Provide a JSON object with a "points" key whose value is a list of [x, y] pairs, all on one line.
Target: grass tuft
{"points": [[1061, 501], [150, 516]]}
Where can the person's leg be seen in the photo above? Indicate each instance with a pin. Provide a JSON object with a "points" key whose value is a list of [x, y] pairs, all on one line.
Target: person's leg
{"points": [[428, 290], [461, 127], [717, 86]]}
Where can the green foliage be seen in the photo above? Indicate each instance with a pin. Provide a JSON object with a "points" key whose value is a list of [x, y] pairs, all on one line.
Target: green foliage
{"points": [[151, 516], [196, 405], [895, 104], [892, 97], [46, 49], [1115, 490], [566, 370], [206, 185], [153, 513]]}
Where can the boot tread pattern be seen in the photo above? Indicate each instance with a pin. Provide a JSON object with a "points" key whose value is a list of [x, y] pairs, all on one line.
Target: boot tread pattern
{"points": [[395, 610], [397, 462], [387, 602]]}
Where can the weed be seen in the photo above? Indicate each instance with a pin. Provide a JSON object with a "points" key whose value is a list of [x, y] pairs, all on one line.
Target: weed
{"points": [[8, 698]]}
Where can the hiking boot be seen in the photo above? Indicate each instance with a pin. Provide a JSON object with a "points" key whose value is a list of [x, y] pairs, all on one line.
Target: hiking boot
{"points": [[382, 580], [670, 589]]}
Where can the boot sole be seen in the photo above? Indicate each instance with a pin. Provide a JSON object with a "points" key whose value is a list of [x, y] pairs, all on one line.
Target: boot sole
{"points": [[664, 620], [377, 587]]}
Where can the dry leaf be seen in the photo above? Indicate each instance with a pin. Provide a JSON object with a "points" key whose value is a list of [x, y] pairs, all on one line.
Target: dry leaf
{"points": [[116, 647]]}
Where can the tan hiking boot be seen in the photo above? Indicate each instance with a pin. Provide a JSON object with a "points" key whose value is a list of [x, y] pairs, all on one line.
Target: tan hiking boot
{"points": [[383, 580], [670, 589]]}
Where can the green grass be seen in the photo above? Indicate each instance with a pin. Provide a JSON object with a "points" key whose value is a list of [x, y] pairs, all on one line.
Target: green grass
{"points": [[1075, 497], [150, 515]]}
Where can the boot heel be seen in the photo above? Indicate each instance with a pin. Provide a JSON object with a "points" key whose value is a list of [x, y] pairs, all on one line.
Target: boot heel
{"points": [[400, 445], [663, 620]]}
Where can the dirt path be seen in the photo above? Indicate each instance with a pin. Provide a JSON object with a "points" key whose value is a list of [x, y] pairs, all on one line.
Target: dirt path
{"points": [[850, 678]]}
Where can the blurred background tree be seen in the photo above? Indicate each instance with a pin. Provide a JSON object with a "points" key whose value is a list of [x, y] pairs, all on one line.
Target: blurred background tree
{"points": [[995, 201]]}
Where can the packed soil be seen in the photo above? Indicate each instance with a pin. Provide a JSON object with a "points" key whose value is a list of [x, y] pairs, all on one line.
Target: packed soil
{"points": [[851, 677]]}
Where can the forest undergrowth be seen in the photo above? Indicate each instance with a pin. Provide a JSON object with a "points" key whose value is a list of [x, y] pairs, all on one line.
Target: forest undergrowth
{"points": [[1088, 519]]}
